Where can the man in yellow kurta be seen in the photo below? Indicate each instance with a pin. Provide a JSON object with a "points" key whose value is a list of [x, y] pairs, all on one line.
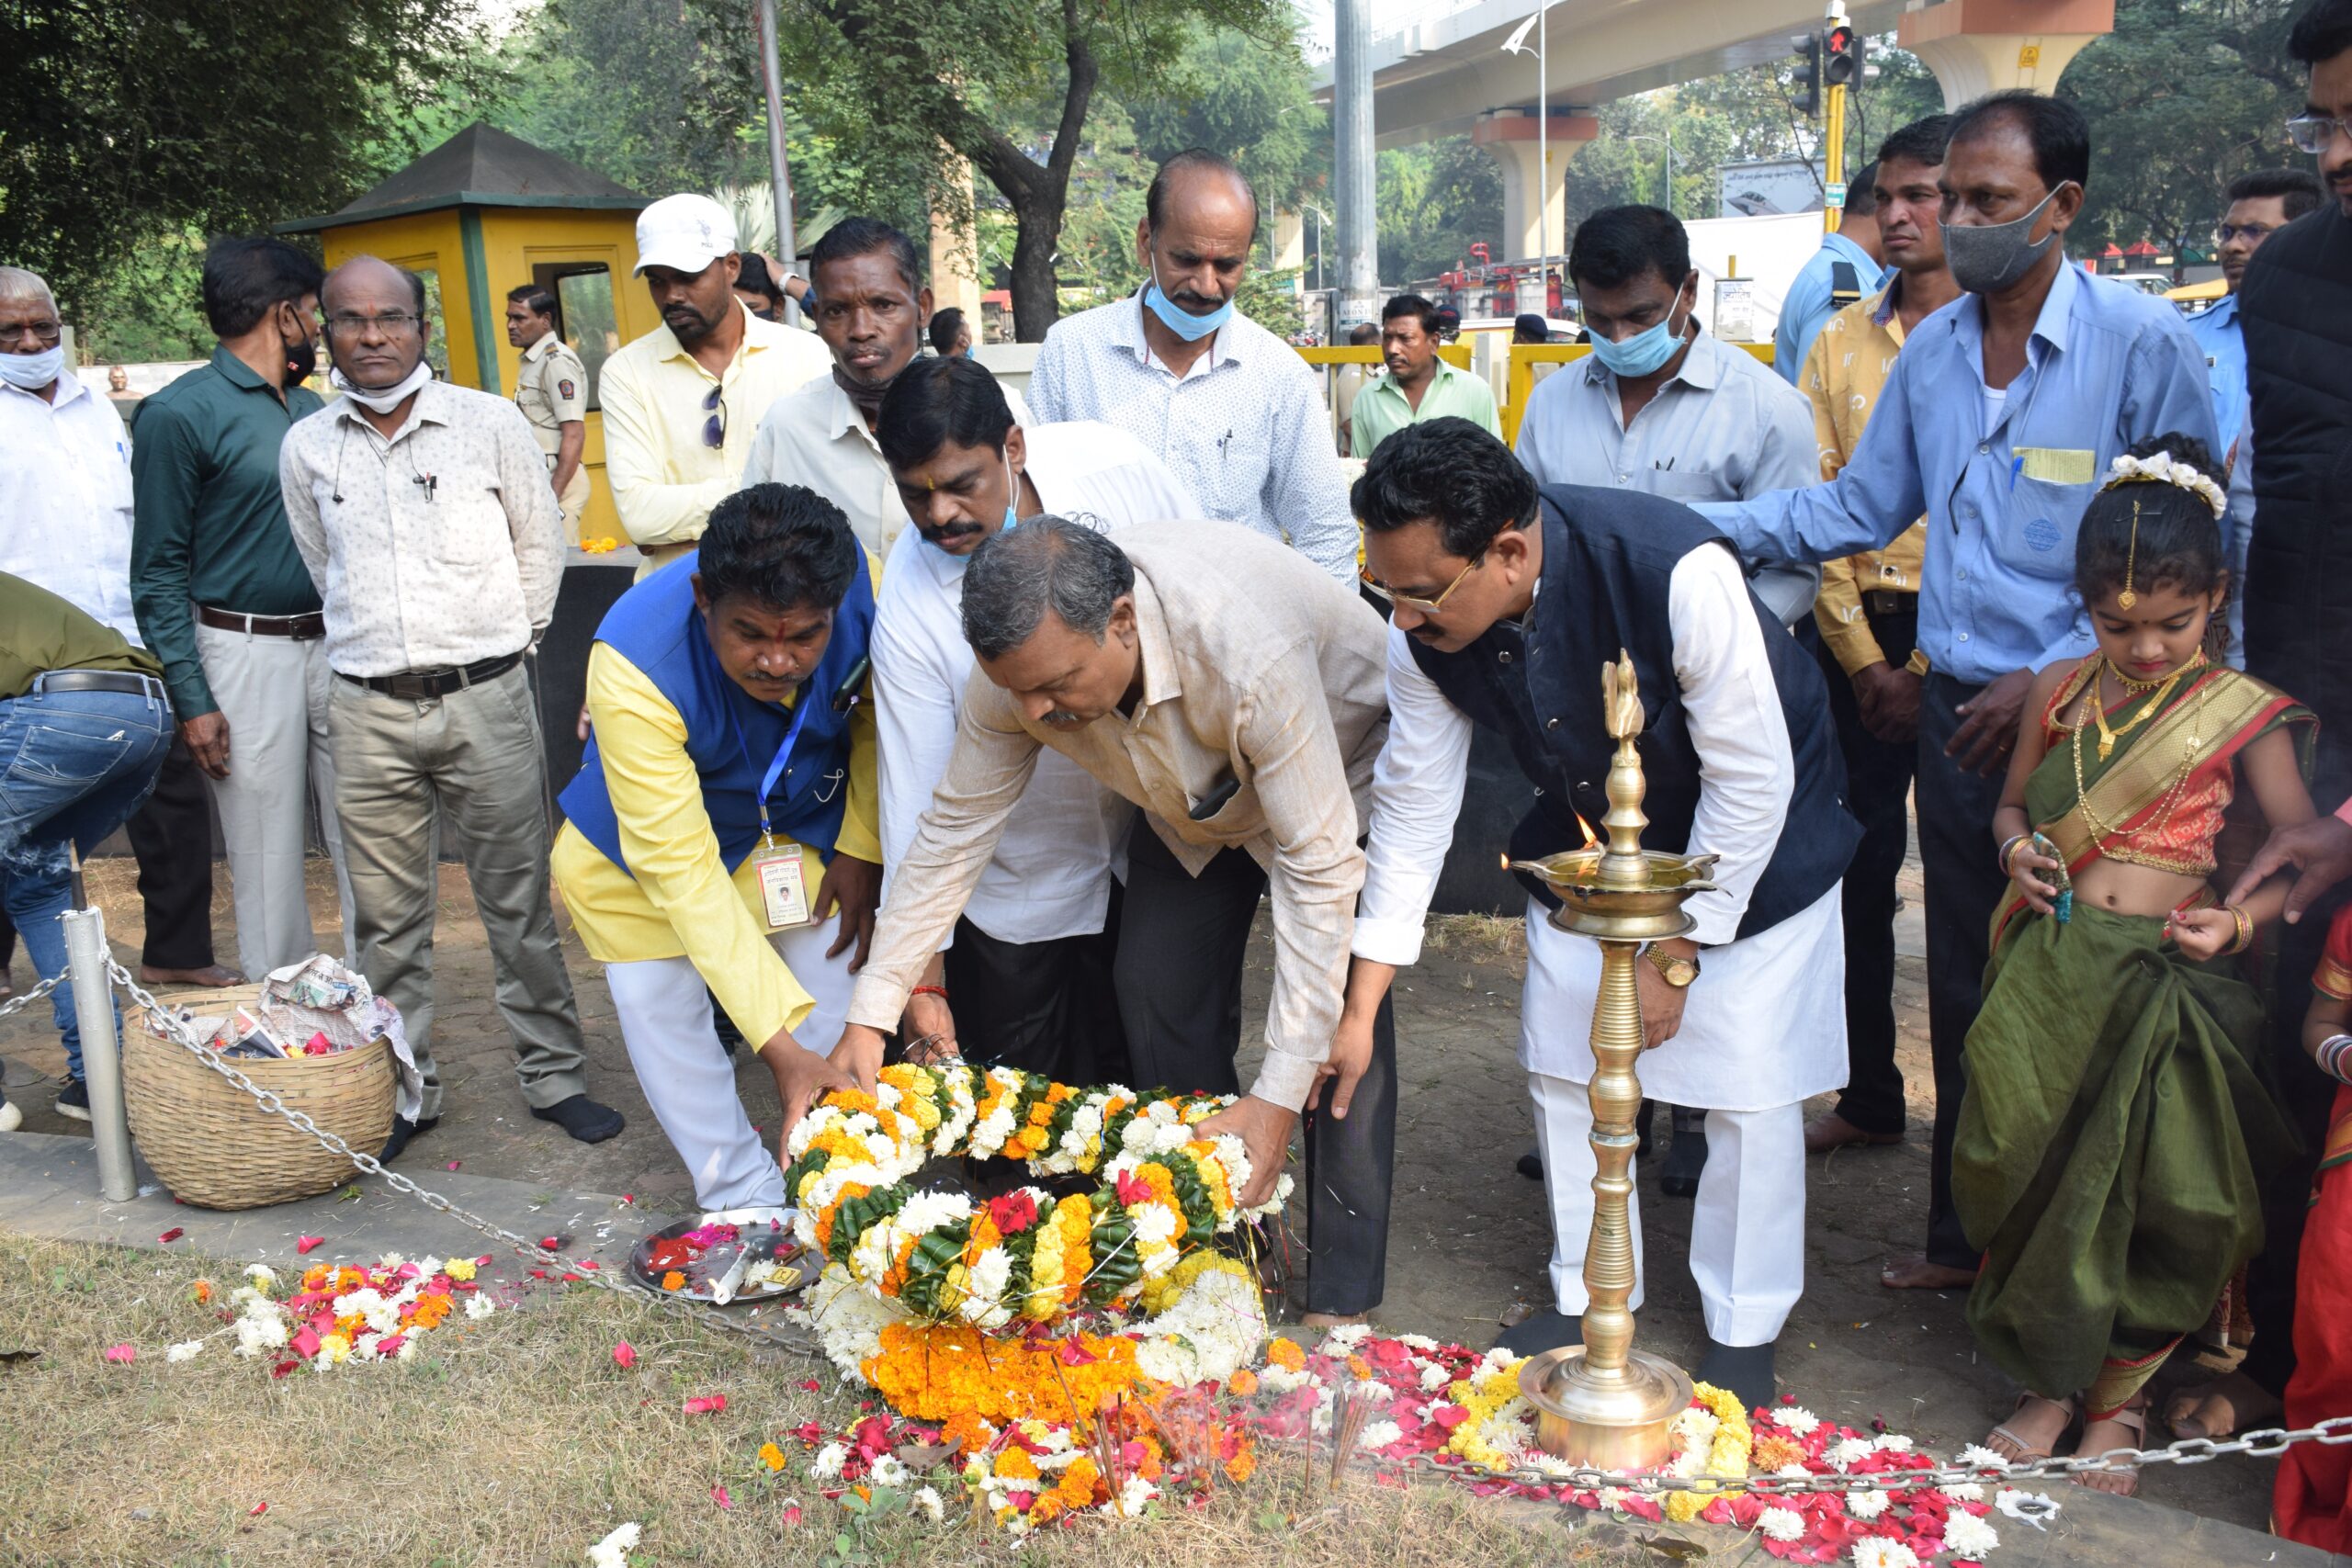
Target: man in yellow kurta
{"points": [[723, 827]]}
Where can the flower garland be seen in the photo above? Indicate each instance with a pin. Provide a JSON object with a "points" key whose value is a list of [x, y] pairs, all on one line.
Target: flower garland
{"points": [[943, 1257]]}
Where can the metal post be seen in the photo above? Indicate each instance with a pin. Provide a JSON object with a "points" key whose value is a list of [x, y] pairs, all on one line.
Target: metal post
{"points": [[1352, 161], [779, 169], [1544, 157], [85, 966]]}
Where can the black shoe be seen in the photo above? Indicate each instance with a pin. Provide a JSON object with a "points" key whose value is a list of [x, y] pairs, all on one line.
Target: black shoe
{"points": [[1545, 1330], [403, 1131], [1688, 1157], [74, 1099], [582, 1118], [1531, 1164], [1745, 1369]]}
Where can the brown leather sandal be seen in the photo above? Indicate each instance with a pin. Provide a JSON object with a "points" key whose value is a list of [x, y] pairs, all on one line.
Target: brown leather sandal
{"points": [[2024, 1452]]}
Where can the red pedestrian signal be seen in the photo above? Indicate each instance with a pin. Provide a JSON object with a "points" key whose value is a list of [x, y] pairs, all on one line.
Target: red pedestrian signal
{"points": [[1841, 56]]}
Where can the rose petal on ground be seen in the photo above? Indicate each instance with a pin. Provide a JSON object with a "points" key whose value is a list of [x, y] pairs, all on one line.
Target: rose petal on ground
{"points": [[257, 1510], [170, 1236], [718, 1495], [706, 1405], [304, 1244], [122, 1353], [625, 1354]]}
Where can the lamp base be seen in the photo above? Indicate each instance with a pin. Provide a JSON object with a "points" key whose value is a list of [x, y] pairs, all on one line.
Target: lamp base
{"points": [[1611, 1420]]}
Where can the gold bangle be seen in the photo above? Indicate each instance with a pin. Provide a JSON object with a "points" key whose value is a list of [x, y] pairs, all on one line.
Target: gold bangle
{"points": [[2009, 849], [2246, 930]]}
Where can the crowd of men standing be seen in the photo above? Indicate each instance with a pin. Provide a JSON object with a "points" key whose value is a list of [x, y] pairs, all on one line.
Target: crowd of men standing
{"points": [[945, 719]]}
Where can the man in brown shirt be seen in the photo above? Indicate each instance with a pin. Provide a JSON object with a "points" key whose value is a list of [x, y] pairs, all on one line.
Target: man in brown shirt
{"points": [[1234, 691]]}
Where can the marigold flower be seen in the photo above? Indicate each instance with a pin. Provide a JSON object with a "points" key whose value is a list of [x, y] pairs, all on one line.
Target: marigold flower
{"points": [[1285, 1353], [771, 1456], [674, 1280]]}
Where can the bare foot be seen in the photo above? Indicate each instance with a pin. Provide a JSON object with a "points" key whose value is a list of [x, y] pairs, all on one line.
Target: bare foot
{"points": [[1912, 1271], [211, 977], [2223, 1409], [2126, 1429], [2033, 1432], [1331, 1319]]}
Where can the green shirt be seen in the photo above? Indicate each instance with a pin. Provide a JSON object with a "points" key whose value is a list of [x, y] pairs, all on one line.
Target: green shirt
{"points": [[210, 525], [41, 632], [1382, 410]]}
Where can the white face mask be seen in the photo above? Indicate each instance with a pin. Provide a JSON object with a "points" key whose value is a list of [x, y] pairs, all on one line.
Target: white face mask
{"points": [[33, 371], [390, 396]]}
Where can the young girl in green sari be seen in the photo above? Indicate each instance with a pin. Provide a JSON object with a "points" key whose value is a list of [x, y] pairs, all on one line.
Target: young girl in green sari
{"points": [[2105, 1159]]}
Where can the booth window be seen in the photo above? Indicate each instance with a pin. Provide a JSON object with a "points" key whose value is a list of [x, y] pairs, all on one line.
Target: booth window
{"points": [[583, 314]]}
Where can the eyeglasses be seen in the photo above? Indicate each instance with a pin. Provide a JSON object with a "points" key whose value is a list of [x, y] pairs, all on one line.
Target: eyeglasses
{"points": [[713, 429], [40, 331], [2223, 233], [1417, 605], [2312, 132], [391, 324]]}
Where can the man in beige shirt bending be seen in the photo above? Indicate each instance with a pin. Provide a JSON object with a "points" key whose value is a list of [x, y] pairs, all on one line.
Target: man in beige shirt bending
{"points": [[424, 515], [683, 402], [1229, 688]]}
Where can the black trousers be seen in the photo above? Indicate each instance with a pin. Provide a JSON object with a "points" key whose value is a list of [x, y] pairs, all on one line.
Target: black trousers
{"points": [[1043, 1007], [1878, 790], [1958, 858], [1182, 941], [172, 837]]}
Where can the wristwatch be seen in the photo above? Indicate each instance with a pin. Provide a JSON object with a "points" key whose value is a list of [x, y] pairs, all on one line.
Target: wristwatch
{"points": [[1679, 972]]}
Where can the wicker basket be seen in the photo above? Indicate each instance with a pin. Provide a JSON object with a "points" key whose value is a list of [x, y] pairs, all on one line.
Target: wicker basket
{"points": [[214, 1147]]}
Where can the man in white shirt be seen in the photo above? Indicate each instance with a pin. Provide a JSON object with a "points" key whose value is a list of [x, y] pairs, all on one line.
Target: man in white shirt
{"points": [[423, 511], [1508, 602], [1230, 406], [1662, 406], [870, 310], [1030, 960], [682, 402]]}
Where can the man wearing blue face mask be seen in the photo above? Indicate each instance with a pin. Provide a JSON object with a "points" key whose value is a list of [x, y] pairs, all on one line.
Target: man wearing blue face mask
{"points": [[1664, 407], [2002, 415], [1230, 406], [1025, 980]]}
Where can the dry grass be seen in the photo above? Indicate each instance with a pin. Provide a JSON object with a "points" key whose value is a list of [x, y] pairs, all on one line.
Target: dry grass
{"points": [[518, 1441], [1496, 938]]}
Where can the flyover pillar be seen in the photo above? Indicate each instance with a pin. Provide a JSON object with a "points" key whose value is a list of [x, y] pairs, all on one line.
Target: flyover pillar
{"points": [[954, 253], [1976, 47], [1535, 204]]}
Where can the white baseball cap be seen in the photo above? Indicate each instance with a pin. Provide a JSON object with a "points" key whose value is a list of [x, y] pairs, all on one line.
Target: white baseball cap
{"points": [[686, 232]]}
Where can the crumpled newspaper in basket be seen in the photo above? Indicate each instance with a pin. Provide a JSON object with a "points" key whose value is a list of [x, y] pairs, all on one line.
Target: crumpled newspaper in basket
{"points": [[319, 996]]}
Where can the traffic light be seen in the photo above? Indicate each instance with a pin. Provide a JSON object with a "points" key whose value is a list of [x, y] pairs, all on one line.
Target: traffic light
{"points": [[1808, 75], [1841, 56]]}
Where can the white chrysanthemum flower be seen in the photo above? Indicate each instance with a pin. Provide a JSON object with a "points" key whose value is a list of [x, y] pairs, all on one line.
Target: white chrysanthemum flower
{"points": [[1133, 1494], [1867, 1504], [1780, 1523], [1975, 1455], [1347, 1336], [1156, 1223], [407, 1352], [1613, 1497], [1434, 1377], [1965, 1534], [429, 1266], [261, 1274], [1793, 1471], [1893, 1443], [1796, 1420], [614, 1550], [1965, 1492], [1279, 1380], [1852, 1451], [927, 1499], [1421, 1344], [889, 1471], [1378, 1435], [1879, 1553], [479, 1306], [183, 1351], [828, 1460], [393, 1260]]}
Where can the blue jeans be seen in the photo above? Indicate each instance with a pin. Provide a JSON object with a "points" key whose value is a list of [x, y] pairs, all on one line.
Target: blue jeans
{"points": [[73, 766]]}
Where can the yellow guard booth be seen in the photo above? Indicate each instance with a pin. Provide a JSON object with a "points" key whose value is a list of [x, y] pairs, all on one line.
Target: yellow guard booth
{"points": [[485, 212]]}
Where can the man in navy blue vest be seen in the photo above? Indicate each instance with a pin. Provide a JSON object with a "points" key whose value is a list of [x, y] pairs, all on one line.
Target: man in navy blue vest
{"points": [[1506, 604], [726, 810]]}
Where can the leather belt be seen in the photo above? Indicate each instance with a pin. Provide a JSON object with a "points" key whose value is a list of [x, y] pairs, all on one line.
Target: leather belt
{"points": [[424, 685], [301, 629], [129, 683], [1889, 602]]}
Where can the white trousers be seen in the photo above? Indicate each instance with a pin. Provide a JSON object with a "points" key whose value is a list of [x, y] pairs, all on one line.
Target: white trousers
{"points": [[273, 691], [1747, 1232], [689, 1079]]}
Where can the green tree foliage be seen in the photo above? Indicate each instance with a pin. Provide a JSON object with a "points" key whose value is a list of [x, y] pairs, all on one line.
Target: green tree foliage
{"points": [[2183, 97], [128, 126], [1433, 201]]}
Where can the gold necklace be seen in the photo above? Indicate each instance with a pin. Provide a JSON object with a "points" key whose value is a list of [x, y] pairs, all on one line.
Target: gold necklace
{"points": [[2100, 831], [2096, 704]]}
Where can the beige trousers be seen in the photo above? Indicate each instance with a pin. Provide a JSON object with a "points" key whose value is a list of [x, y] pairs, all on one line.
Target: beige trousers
{"points": [[469, 766]]}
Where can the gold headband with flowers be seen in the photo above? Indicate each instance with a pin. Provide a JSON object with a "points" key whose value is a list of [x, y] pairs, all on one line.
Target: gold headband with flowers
{"points": [[2160, 467]]}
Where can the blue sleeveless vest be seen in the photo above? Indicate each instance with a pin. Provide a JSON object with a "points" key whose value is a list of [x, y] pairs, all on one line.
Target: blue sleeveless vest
{"points": [[656, 628], [1609, 557]]}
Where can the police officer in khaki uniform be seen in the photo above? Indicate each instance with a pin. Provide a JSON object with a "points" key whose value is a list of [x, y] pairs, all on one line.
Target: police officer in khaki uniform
{"points": [[553, 395]]}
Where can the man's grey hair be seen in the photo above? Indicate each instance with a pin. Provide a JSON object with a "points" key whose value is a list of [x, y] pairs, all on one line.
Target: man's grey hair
{"points": [[1047, 563], [16, 283]]}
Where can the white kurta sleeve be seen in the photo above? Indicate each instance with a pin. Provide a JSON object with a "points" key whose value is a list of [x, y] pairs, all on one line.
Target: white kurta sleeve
{"points": [[1745, 770], [1417, 788], [914, 710]]}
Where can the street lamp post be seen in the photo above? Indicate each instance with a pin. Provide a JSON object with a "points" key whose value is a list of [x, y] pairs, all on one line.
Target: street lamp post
{"points": [[1517, 44]]}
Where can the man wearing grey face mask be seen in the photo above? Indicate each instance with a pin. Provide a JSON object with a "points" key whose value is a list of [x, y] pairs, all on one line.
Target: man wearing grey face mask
{"points": [[2069, 370]]}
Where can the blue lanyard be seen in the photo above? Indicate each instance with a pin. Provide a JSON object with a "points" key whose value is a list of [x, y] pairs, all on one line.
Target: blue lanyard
{"points": [[783, 754]]}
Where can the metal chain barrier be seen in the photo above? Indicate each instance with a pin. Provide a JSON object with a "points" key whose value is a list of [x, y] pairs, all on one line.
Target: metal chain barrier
{"points": [[2267, 1443], [19, 1003]]}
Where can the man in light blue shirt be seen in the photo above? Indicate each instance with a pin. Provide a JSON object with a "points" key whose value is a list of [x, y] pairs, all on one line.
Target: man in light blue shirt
{"points": [[1849, 266], [2004, 411], [2260, 203]]}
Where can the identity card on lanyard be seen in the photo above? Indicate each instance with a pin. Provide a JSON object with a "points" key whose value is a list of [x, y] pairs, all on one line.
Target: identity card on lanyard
{"points": [[782, 875]]}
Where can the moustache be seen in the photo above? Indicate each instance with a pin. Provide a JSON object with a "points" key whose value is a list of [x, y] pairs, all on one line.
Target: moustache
{"points": [[940, 536], [1426, 634]]}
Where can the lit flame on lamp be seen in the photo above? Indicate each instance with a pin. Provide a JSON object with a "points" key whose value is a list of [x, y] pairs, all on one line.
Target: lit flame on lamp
{"points": [[1590, 840]]}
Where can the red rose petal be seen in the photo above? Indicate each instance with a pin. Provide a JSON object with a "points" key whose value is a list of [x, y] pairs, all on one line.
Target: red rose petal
{"points": [[625, 1354], [305, 1244], [170, 1236]]}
